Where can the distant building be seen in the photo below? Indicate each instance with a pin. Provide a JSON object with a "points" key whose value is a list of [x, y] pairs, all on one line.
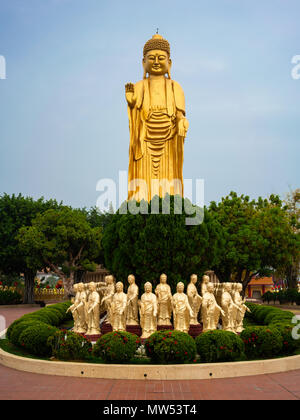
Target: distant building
{"points": [[258, 286]]}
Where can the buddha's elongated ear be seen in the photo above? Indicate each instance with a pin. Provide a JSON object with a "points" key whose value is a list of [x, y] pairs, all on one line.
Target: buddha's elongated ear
{"points": [[144, 67], [169, 68]]}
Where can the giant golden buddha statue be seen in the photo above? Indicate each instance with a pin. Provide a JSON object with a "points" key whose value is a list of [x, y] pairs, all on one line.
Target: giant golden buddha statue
{"points": [[157, 125]]}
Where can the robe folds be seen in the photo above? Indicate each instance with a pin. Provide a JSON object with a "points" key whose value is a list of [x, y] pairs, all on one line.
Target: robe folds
{"points": [[155, 149]]}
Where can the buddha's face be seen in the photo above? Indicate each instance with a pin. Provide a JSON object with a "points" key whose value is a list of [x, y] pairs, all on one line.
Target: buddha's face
{"points": [[110, 280], [131, 279], [163, 279], [92, 286], [119, 287], [194, 278], [180, 288], [148, 288], [210, 287], [157, 62], [205, 279]]}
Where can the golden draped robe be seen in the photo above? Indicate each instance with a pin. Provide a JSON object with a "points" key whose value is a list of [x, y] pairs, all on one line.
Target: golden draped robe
{"points": [[155, 149]]}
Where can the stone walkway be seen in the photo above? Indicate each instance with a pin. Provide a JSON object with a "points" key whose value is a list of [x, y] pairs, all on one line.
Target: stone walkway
{"points": [[29, 386]]}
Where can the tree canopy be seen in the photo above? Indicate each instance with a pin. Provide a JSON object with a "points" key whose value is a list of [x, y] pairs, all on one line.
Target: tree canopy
{"points": [[17, 211], [148, 245], [258, 237], [63, 240]]}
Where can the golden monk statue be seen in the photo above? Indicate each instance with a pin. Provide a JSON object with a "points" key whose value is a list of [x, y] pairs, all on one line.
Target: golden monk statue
{"points": [[194, 299], [81, 326], [210, 309], [148, 311], [108, 296], [93, 310], [132, 302], [73, 308], [243, 308], [182, 312], [229, 308], [164, 298], [118, 309], [157, 125]]}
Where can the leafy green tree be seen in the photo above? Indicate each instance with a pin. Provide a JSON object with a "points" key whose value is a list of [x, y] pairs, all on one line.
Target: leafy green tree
{"points": [[258, 237], [148, 245], [292, 270], [62, 240], [17, 211]]}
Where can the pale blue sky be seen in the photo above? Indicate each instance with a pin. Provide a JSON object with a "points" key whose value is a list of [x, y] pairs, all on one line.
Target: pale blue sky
{"points": [[63, 117]]}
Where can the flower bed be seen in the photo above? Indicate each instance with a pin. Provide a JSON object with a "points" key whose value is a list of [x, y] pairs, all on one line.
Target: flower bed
{"points": [[38, 333]]}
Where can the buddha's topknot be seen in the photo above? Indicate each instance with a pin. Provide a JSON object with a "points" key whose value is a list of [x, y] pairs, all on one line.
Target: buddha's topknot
{"points": [[157, 42]]}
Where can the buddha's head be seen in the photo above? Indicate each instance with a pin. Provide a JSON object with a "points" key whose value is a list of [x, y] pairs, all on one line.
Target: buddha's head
{"points": [[194, 278], [239, 287], [109, 279], [148, 287], [119, 287], [205, 279], [210, 287], [156, 59], [92, 286], [131, 279], [180, 287], [163, 278]]}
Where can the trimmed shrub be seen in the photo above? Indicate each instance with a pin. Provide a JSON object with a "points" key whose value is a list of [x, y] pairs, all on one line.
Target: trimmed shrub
{"points": [[219, 346], [116, 346], [289, 344], [34, 339], [20, 327], [261, 342], [8, 297], [168, 346], [67, 345], [50, 315]]}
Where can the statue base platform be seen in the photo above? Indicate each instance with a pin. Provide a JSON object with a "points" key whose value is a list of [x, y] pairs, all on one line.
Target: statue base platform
{"points": [[195, 330], [92, 337], [165, 327], [106, 328], [134, 329]]}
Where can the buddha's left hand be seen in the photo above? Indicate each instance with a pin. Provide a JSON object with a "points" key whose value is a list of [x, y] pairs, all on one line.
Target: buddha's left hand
{"points": [[183, 126]]}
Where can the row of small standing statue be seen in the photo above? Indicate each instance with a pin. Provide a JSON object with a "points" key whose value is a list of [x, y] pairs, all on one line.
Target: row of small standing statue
{"points": [[218, 301]]}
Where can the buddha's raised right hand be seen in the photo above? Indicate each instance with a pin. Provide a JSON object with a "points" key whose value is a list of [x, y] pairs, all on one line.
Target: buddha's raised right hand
{"points": [[129, 93]]}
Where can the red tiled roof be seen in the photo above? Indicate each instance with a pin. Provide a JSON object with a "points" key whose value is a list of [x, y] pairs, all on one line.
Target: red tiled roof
{"points": [[261, 281]]}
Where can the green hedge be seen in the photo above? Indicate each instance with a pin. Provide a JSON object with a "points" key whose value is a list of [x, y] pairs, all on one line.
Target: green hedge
{"points": [[220, 346], [35, 341], [282, 296], [67, 345], [8, 297], [262, 342], [170, 347], [116, 347]]}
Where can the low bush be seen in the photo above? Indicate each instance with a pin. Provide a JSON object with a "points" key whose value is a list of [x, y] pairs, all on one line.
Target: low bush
{"points": [[50, 315], [219, 346], [34, 339], [170, 347], [9, 297], [116, 346], [262, 342], [289, 344], [67, 345], [20, 327]]}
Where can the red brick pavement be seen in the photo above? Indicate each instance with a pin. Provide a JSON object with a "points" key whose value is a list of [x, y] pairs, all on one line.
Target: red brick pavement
{"points": [[29, 386]]}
